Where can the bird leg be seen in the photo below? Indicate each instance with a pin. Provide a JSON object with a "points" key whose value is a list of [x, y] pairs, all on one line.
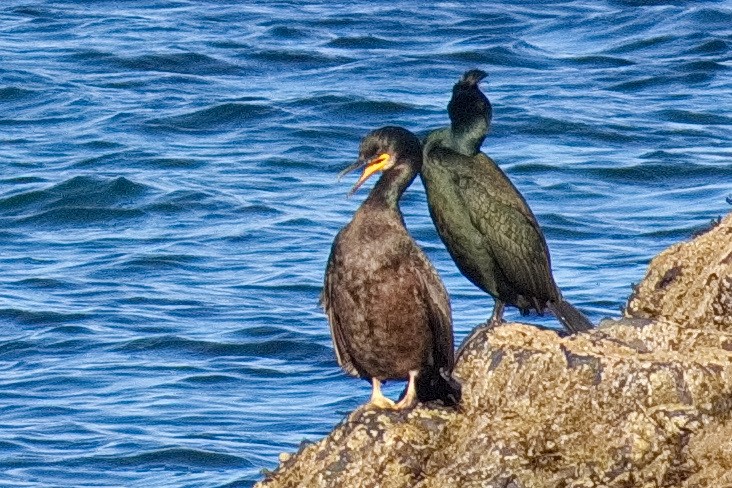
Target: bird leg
{"points": [[410, 397], [378, 399], [497, 316]]}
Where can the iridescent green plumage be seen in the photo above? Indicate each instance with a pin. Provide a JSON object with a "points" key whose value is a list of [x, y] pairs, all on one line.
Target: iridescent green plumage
{"points": [[485, 223]]}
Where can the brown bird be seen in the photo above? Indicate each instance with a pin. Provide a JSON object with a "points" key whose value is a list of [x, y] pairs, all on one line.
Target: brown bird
{"points": [[484, 222], [388, 310]]}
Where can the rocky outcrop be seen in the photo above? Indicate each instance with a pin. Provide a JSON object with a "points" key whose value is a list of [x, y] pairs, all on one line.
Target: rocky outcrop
{"points": [[641, 401], [690, 283]]}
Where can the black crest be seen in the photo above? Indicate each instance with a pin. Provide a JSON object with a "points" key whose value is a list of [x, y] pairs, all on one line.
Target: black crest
{"points": [[468, 104]]}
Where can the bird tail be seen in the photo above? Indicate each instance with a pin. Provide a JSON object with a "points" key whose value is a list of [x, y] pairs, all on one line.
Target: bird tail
{"points": [[439, 385], [570, 317]]}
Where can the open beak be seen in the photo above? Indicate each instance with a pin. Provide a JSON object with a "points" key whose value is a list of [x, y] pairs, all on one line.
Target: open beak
{"points": [[370, 167]]}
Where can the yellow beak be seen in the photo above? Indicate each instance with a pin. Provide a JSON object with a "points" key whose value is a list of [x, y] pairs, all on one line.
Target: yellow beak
{"points": [[370, 167]]}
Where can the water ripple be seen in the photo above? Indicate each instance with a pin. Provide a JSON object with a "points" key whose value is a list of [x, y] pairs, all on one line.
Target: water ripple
{"points": [[285, 348], [170, 196], [216, 118], [164, 458]]}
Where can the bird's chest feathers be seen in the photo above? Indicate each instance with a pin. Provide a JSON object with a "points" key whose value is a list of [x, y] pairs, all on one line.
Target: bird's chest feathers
{"points": [[378, 260], [383, 260]]}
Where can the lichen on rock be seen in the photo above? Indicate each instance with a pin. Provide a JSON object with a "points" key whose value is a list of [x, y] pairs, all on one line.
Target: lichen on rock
{"points": [[690, 283]]}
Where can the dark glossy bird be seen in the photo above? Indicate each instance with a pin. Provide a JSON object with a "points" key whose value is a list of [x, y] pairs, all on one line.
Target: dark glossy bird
{"points": [[484, 222], [388, 310]]}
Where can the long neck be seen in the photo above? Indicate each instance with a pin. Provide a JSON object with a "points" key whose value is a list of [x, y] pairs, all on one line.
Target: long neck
{"points": [[467, 138], [465, 142], [392, 183]]}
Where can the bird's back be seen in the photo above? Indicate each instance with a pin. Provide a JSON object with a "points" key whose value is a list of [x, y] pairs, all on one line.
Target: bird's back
{"points": [[488, 227]]}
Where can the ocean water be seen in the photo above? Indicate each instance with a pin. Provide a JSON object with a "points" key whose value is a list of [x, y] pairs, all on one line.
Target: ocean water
{"points": [[168, 197]]}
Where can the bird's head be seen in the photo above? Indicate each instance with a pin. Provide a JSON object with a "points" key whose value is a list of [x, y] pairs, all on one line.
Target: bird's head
{"points": [[468, 104], [384, 149]]}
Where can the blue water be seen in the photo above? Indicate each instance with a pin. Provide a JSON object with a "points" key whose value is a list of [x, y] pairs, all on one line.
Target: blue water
{"points": [[168, 197]]}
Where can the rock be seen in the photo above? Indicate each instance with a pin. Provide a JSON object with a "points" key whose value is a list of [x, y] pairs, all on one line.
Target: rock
{"points": [[690, 282], [356, 450], [640, 401]]}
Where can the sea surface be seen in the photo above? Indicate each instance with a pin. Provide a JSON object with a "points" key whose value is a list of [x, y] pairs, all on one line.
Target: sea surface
{"points": [[168, 197]]}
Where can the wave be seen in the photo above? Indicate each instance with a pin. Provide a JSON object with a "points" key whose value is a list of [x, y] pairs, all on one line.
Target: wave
{"points": [[362, 42], [80, 216], [78, 201], [518, 54], [40, 317], [694, 118], [286, 349], [165, 459], [714, 46], [181, 63], [301, 58], [224, 116], [43, 283], [77, 191], [648, 172], [549, 126], [600, 62], [14, 94], [181, 201]]}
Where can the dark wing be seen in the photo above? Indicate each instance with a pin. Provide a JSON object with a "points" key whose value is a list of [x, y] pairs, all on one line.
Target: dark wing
{"points": [[438, 311], [331, 295], [508, 227], [438, 382]]}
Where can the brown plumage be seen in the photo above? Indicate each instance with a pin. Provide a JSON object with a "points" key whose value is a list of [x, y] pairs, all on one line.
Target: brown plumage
{"points": [[388, 310]]}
